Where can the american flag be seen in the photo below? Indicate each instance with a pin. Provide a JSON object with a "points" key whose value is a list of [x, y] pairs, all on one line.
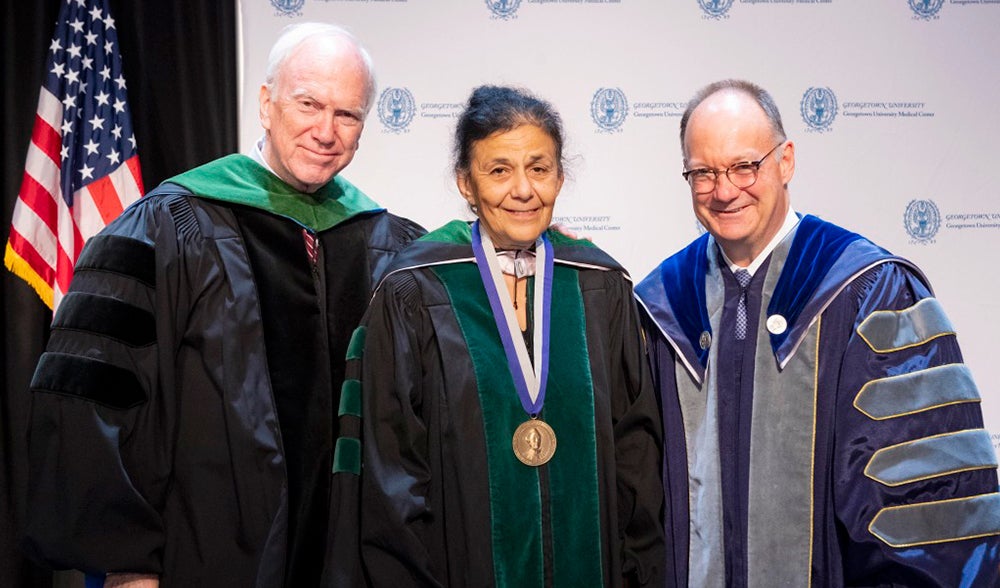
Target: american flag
{"points": [[82, 168]]}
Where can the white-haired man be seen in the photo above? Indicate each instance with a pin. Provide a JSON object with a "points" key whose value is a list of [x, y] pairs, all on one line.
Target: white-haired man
{"points": [[184, 412]]}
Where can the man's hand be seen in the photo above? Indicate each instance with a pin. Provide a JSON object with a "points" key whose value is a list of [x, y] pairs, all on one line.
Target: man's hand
{"points": [[566, 231]]}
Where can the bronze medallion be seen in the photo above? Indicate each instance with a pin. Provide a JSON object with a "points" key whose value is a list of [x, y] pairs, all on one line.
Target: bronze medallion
{"points": [[534, 442]]}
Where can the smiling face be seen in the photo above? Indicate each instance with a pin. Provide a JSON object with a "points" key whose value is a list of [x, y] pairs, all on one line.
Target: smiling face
{"points": [[314, 112], [512, 183], [726, 128]]}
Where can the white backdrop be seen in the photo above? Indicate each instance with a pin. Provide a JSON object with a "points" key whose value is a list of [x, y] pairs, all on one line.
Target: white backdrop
{"points": [[890, 104]]}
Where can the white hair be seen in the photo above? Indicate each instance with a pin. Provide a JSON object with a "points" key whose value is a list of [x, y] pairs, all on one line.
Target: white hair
{"points": [[294, 35]]}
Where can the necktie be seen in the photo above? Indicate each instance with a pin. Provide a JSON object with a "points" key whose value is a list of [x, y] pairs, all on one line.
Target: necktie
{"points": [[312, 246], [743, 277]]}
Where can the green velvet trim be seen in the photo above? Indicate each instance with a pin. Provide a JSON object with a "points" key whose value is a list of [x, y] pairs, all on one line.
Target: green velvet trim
{"points": [[241, 180], [356, 348], [515, 497], [347, 456], [569, 408], [455, 232], [350, 399]]}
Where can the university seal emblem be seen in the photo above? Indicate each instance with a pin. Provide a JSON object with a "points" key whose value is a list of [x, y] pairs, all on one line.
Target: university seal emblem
{"points": [[396, 109]]}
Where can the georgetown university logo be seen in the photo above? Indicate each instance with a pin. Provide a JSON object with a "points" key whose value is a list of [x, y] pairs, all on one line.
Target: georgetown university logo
{"points": [[715, 8], [926, 9], [396, 109], [288, 7], [503, 8], [922, 220], [819, 108], [609, 108]]}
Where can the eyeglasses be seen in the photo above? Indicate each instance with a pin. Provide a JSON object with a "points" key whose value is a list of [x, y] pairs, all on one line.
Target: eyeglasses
{"points": [[742, 174]]}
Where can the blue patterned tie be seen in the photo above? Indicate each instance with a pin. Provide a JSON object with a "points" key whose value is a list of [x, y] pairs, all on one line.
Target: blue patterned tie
{"points": [[743, 277]]}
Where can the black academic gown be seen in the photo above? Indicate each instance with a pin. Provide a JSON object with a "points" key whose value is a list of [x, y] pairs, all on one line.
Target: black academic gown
{"points": [[183, 413], [444, 500]]}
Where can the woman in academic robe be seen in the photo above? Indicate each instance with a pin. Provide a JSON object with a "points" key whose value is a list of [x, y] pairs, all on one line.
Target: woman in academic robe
{"points": [[509, 435]]}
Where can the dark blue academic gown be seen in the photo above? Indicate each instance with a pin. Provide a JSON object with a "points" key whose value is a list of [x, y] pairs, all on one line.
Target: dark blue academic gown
{"points": [[841, 443]]}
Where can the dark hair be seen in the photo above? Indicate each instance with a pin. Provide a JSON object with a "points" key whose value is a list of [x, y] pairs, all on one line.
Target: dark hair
{"points": [[493, 109], [759, 95]]}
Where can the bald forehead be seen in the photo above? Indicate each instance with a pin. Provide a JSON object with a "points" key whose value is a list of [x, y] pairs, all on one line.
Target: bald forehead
{"points": [[726, 111], [731, 104]]}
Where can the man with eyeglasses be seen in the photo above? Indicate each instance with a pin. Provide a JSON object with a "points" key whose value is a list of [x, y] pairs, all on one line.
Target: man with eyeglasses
{"points": [[820, 427]]}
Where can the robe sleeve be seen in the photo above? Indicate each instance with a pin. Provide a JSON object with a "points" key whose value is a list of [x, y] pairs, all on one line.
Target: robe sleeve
{"points": [[915, 484], [99, 437], [661, 359], [395, 512], [638, 447]]}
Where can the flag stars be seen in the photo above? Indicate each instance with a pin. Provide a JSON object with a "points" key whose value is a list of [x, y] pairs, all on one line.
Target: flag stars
{"points": [[131, 140], [89, 116]]}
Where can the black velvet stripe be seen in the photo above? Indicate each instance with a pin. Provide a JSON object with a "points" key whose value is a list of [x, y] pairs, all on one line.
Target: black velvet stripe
{"points": [[108, 317], [120, 255], [90, 379]]}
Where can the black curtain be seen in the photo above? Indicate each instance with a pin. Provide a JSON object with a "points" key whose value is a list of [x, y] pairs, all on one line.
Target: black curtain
{"points": [[179, 60]]}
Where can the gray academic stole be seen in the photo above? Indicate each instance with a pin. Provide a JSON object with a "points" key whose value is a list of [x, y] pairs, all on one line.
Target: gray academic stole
{"points": [[782, 440]]}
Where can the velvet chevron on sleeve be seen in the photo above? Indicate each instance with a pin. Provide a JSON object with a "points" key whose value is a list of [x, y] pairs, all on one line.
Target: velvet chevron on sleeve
{"points": [[841, 445], [184, 412]]}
